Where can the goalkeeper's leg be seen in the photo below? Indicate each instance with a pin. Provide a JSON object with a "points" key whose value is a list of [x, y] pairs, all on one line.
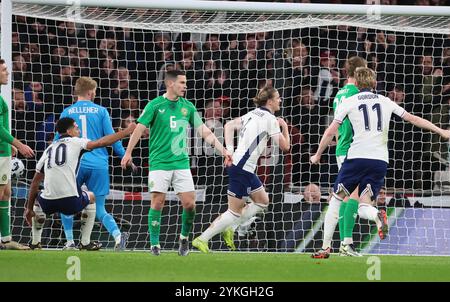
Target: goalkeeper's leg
{"points": [[67, 222], [107, 219], [97, 181]]}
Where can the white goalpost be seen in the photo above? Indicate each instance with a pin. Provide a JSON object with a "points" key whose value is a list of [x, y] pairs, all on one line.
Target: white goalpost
{"points": [[229, 50]]}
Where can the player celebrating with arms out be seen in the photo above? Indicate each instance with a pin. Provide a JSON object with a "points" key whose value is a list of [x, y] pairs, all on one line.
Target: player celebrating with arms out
{"points": [[344, 211], [168, 116], [6, 140], [367, 158], [256, 127], [58, 168]]}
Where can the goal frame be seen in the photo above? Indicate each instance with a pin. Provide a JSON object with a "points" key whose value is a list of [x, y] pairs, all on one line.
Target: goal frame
{"points": [[371, 12]]}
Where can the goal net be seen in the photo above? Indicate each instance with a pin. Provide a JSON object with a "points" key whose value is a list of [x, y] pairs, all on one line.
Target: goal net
{"points": [[228, 56]]}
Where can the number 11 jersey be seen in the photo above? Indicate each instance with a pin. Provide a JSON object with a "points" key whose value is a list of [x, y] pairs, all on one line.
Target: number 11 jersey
{"points": [[369, 115]]}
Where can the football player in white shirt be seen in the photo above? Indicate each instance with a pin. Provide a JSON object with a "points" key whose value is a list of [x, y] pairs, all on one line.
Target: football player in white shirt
{"points": [[57, 168], [367, 158], [256, 127]]}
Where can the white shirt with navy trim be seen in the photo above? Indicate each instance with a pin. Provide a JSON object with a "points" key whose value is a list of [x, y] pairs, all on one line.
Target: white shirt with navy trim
{"points": [[257, 127], [369, 115], [60, 163]]}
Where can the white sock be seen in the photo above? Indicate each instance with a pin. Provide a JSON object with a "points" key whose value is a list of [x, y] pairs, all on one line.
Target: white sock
{"points": [[249, 211], [6, 238], [117, 239], [348, 240], [87, 223], [37, 224], [220, 224], [369, 212], [331, 220]]}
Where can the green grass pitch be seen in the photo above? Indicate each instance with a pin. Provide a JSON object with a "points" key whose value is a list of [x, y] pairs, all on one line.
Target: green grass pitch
{"points": [[142, 266]]}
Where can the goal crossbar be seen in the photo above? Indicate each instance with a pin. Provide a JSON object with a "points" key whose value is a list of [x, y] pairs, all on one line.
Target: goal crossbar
{"points": [[258, 7]]}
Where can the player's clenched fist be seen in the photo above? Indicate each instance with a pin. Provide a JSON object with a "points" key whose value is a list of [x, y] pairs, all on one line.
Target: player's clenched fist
{"points": [[315, 159], [282, 123]]}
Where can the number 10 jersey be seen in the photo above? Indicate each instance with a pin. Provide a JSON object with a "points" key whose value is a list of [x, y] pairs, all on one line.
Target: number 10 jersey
{"points": [[60, 163]]}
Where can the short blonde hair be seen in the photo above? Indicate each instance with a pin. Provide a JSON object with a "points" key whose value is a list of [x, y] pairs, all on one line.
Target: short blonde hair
{"points": [[84, 85], [365, 78]]}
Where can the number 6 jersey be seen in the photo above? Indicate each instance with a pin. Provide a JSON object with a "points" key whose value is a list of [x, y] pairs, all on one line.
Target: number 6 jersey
{"points": [[369, 115], [60, 163]]}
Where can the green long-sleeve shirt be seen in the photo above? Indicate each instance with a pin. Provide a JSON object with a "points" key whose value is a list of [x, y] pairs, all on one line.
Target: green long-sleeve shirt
{"points": [[6, 138]]}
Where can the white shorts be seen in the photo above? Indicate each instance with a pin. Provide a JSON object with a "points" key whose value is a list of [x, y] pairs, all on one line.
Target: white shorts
{"points": [[340, 160], [5, 170], [181, 181]]}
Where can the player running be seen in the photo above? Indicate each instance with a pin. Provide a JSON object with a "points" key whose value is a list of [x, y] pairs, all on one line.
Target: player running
{"points": [[256, 127], [367, 159], [344, 211]]}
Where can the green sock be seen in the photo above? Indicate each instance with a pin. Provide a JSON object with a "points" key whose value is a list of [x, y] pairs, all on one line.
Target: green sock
{"points": [[5, 229], [341, 220], [154, 225], [187, 219], [350, 214]]}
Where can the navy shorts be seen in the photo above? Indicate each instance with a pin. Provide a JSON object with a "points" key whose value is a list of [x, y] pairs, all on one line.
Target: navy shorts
{"points": [[67, 205], [368, 174], [242, 183]]}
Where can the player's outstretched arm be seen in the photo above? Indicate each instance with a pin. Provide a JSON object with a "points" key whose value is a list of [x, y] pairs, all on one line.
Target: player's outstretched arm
{"points": [[325, 141], [211, 139], [135, 137], [107, 127], [111, 139], [424, 124], [34, 189]]}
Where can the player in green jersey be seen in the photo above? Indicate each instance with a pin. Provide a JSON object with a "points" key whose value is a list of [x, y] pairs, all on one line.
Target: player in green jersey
{"points": [[168, 116], [6, 141], [343, 211]]}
